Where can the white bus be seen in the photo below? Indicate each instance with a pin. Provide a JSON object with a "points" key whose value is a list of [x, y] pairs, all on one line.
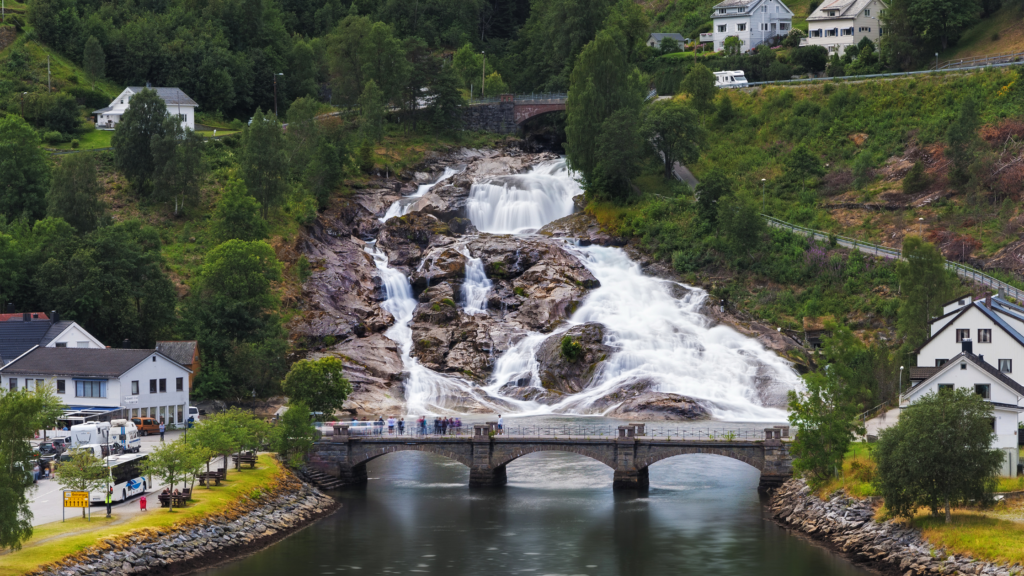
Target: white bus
{"points": [[125, 477]]}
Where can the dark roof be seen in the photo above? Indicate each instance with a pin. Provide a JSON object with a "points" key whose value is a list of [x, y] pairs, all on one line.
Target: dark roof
{"points": [[101, 362], [102, 110], [169, 95], [923, 373], [181, 351], [733, 4], [19, 315], [673, 35], [984, 310], [981, 364], [18, 336]]}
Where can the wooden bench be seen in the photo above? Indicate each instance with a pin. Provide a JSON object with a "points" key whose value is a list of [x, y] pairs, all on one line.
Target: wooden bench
{"points": [[179, 500], [245, 458], [206, 476]]}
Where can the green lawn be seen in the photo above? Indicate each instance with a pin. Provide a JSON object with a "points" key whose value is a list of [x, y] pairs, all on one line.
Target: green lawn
{"points": [[220, 132], [48, 545], [88, 141]]}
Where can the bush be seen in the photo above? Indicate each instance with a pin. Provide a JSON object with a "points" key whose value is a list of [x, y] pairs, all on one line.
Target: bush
{"points": [[571, 349], [365, 157], [916, 181], [74, 143], [237, 124], [53, 137]]}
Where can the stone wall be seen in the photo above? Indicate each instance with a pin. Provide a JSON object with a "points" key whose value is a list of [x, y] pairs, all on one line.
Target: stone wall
{"points": [[499, 118], [847, 524], [201, 543]]}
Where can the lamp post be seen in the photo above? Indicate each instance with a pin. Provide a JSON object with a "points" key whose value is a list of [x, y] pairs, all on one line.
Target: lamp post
{"points": [[275, 91], [901, 381], [936, 60], [483, 73], [920, 231], [763, 180]]}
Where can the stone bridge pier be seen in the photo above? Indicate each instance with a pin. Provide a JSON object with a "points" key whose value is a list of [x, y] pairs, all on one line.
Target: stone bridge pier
{"points": [[487, 454]]}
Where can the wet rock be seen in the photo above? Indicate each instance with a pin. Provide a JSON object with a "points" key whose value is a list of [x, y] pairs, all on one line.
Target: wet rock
{"points": [[582, 227], [406, 238], [661, 406], [440, 265], [564, 375]]}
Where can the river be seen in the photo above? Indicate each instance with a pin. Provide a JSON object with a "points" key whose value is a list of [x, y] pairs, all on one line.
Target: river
{"points": [[557, 515]]}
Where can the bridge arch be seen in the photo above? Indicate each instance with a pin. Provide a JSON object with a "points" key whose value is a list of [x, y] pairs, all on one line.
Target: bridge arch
{"points": [[503, 457], [369, 454], [655, 455]]}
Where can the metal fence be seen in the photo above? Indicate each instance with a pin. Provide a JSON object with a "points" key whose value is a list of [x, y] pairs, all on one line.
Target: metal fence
{"points": [[1010, 57], [660, 431], [965, 272], [798, 81]]}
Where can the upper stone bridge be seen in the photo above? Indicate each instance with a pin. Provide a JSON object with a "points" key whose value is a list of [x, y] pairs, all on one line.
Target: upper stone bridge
{"points": [[486, 454], [504, 114]]}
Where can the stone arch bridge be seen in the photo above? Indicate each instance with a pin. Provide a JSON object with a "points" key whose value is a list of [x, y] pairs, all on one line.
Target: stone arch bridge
{"points": [[504, 114], [486, 455]]}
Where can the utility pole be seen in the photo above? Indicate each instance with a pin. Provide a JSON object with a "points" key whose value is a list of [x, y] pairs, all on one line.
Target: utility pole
{"points": [[275, 91], [48, 88], [483, 75]]}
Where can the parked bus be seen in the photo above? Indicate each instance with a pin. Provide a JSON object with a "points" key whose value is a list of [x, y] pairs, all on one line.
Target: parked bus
{"points": [[125, 477]]}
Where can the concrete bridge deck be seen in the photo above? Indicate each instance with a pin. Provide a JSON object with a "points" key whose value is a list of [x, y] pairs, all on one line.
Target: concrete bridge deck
{"points": [[486, 454]]}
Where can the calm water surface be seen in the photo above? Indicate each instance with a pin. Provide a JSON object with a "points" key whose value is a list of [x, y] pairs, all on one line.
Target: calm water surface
{"points": [[557, 515]]}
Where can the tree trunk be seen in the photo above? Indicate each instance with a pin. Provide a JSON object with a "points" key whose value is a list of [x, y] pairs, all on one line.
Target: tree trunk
{"points": [[668, 167], [949, 516], [225, 467]]}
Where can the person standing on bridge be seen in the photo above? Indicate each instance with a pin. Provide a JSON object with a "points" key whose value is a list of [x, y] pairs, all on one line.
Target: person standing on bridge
{"points": [[391, 425], [401, 426], [501, 424]]}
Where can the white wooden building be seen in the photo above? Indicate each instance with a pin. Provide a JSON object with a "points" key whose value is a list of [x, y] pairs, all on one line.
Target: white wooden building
{"points": [[754, 22], [836, 24], [178, 104]]}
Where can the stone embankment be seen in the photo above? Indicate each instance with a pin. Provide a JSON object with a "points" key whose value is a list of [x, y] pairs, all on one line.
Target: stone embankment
{"points": [[200, 543], [847, 525]]}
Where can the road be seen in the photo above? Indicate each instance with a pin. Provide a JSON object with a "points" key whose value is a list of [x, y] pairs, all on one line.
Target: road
{"points": [[46, 498]]}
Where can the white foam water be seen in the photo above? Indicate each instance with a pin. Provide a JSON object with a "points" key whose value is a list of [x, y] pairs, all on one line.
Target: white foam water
{"points": [[476, 286], [521, 202], [402, 206]]}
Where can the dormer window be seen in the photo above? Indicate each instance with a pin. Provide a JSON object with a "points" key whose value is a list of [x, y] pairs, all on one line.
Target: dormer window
{"points": [[722, 10], [867, 12]]}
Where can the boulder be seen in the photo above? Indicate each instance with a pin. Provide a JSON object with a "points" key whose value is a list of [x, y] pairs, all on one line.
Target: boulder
{"points": [[405, 239], [374, 367], [564, 375], [661, 406], [443, 264]]}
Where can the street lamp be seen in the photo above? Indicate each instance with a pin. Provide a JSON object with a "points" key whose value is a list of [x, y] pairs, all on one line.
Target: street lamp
{"points": [[921, 229], [275, 91], [936, 60], [763, 180], [901, 381]]}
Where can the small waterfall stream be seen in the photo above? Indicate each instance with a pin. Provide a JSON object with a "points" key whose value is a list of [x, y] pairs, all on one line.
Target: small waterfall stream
{"points": [[401, 207], [521, 202], [476, 287]]}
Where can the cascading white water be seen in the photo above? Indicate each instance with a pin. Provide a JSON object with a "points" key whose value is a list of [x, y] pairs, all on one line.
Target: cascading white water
{"points": [[520, 202], [661, 340], [401, 208], [426, 391], [476, 286]]}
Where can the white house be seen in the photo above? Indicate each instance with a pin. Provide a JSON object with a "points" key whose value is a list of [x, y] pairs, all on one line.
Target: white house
{"points": [[994, 325], [19, 335], [970, 371], [836, 24], [178, 104], [654, 41], [752, 21], [135, 382]]}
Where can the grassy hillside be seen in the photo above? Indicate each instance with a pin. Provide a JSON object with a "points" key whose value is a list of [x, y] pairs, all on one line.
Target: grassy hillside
{"points": [[1002, 33], [688, 17]]}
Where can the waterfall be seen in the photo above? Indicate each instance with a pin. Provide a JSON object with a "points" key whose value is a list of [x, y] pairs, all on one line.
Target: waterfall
{"points": [[521, 202], [476, 287], [426, 391], [401, 208]]}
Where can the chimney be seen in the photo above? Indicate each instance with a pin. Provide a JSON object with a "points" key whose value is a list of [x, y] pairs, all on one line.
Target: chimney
{"points": [[126, 344], [26, 317], [988, 301], [968, 346], [54, 316]]}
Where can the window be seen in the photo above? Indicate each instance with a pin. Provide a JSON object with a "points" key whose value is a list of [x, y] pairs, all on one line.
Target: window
{"points": [[723, 27], [962, 335], [985, 335], [84, 344], [154, 358], [764, 8], [741, 27], [181, 412], [939, 362], [60, 387], [945, 388], [816, 33], [13, 384], [135, 387], [1005, 365], [39, 383], [741, 10], [867, 12], [90, 388], [152, 386], [721, 10], [61, 345], [783, 26], [777, 9], [982, 390], [773, 26], [179, 384], [764, 26], [163, 384]]}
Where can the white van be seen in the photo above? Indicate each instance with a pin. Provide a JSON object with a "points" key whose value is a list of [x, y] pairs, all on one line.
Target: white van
{"points": [[125, 433], [193, 412], [89, 433], [730, 79]]}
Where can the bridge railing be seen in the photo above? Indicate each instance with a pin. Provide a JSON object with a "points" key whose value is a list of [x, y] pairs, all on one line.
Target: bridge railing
{"points": [[665, 431], [543, 97]]}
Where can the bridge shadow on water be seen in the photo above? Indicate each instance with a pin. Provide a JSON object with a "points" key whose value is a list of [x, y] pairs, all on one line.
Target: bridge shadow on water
{"points": [[557, 515]]}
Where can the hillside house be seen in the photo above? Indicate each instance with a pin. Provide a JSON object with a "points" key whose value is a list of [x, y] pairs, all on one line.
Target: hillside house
{"points": [[178, 105], [18, 336], [836, 24], [654, 41], [184, 352], [125, 382], [971, 371], [754, 22]]}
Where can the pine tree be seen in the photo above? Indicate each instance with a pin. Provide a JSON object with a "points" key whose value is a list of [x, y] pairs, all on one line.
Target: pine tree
{"points": [[75, 193], [371, 112], [264, 161], [93, 60]]}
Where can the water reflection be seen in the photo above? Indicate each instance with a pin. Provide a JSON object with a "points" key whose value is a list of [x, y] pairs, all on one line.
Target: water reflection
{"points": [[557, 515]]}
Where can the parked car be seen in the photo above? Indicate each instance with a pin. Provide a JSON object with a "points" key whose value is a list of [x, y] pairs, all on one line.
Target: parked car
{"points": [[147, 425]]}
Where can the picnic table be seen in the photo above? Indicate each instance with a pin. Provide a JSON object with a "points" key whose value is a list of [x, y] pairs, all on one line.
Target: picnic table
{"points": [[207, 476], [179, 500]]}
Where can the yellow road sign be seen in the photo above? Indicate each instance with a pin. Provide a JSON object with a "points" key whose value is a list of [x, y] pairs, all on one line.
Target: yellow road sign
{"points": [[76, 499]]}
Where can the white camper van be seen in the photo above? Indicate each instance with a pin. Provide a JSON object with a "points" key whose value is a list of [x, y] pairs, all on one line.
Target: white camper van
{"points": [[89, 433], [125, 433], [730, 79]]}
